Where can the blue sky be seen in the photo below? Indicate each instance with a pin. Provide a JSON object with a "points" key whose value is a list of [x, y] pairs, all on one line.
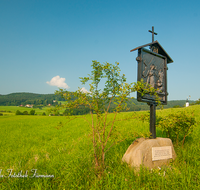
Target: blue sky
{"points": [[41, 40]]}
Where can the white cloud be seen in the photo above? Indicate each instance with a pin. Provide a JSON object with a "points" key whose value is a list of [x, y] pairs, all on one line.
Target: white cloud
{"points": [[59, 82], [84, 90]]}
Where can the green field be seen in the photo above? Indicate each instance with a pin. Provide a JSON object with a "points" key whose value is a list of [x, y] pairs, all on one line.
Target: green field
{"points": [[11, 110], [64, 155]]}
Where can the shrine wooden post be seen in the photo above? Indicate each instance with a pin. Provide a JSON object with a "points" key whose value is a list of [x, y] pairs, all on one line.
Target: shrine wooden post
{"points": [[152, 69]]}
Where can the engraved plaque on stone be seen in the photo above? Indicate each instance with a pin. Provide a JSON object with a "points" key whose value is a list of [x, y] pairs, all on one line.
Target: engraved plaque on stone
{"points": [[161, 153]]}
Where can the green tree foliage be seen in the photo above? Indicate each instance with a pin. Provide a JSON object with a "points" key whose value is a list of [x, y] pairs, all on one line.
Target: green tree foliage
{"points": [[116, 91], [16, 99], [25, 113], [18, 113], [197, 102], [32, 112], [178, 126], [53, 111], [43, 113], [40, 100], [76, 111], [176, 106]]}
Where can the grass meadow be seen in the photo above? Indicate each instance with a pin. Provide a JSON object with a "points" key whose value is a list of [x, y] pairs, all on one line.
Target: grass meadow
{"points": [[10, 110], [48, 156]]}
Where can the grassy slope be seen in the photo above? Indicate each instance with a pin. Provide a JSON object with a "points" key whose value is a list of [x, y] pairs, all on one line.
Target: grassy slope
{"points": [[34, 142], [10, 110]]}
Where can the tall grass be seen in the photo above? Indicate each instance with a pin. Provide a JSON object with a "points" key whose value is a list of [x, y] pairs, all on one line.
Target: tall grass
{"points": [[35, 142]]}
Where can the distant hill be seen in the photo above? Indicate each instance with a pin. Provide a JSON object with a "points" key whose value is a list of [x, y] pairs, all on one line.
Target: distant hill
{"points": [[16, 99], [176, 103]]}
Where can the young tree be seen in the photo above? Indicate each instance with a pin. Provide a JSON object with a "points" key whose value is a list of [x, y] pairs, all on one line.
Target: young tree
{"points": [[99, 101]]}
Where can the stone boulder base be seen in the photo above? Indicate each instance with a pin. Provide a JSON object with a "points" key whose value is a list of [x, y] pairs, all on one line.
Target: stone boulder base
{"points": [[140, 152]]}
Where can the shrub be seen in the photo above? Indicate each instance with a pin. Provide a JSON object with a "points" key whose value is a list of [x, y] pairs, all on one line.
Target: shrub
{"points": [[32, 112], [18, 113], [1, 114], [178, 126], [57, 113], [144, 117], [177, 106], [25, 113]]}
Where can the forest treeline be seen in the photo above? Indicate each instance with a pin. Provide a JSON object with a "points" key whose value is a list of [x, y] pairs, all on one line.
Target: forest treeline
{"points": [[17, 99]]}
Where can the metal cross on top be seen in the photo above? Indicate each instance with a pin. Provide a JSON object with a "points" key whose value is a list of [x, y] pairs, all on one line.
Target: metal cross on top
{"points": [[153, 33]]}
